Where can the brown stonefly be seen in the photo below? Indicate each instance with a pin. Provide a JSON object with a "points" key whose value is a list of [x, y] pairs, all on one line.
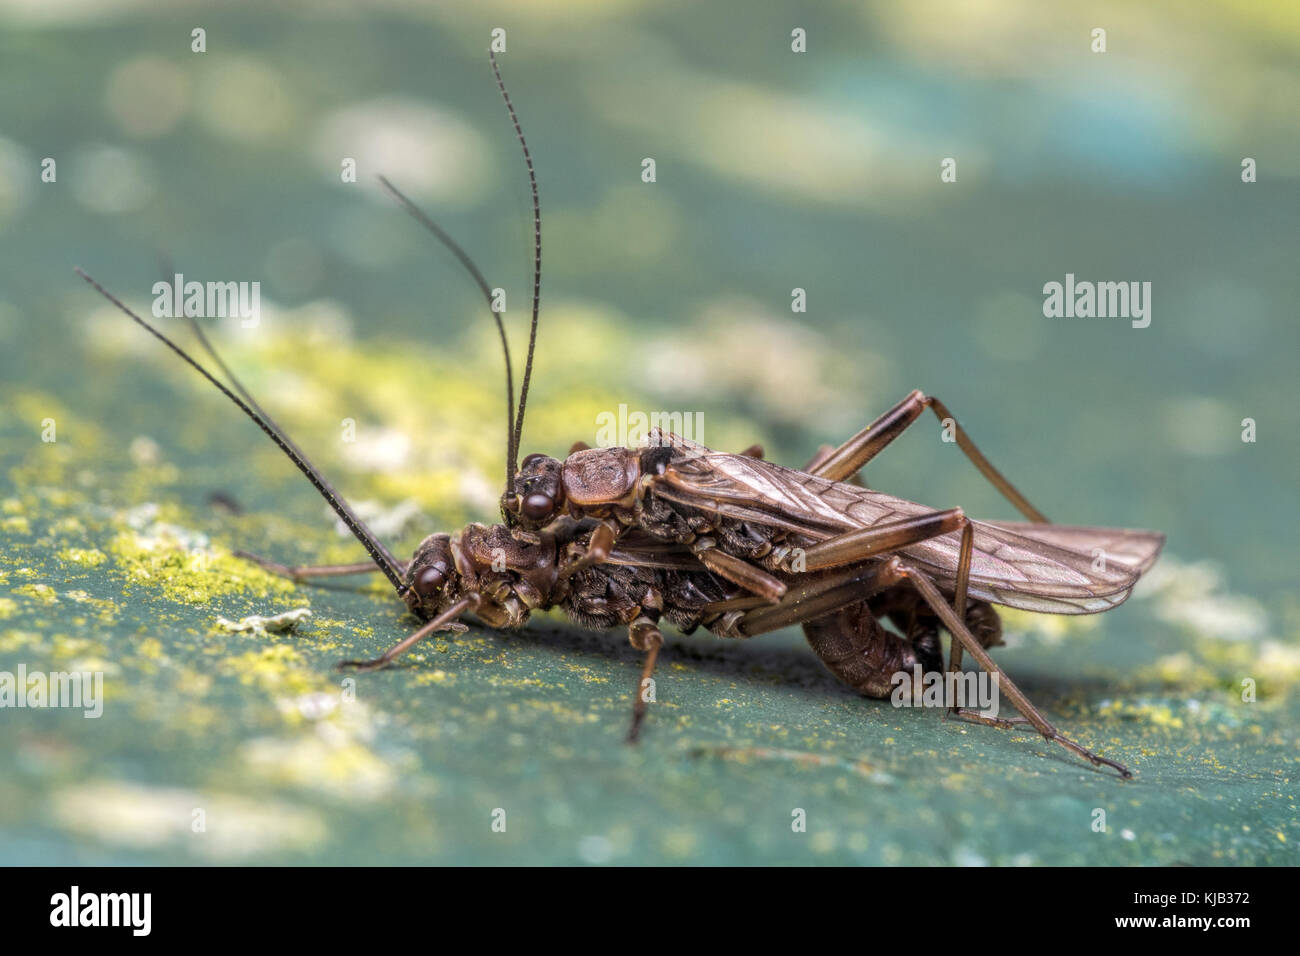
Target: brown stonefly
{"points": [[674, 531]]}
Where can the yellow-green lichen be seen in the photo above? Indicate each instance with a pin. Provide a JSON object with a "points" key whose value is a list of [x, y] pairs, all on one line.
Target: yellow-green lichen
{"points": [[16, 524], [83, 557], [192, 577], [278, 668], [41, 593]]}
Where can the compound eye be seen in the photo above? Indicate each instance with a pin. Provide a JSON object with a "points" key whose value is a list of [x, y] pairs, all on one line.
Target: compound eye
{"points": [[430, 581], [538, 506]]}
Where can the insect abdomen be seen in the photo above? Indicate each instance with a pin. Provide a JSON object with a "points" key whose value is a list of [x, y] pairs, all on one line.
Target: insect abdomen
{"points": [[861, 652]]}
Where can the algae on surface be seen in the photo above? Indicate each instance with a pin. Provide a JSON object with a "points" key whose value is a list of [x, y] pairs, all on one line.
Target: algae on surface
{"points": [[283, 759]]}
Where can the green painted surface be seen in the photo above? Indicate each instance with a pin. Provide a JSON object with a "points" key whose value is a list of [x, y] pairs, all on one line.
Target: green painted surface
{"points": [[114, 559]]}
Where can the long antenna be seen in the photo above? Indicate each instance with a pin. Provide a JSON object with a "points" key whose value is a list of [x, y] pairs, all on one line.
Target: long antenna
{"points": [[238, 386], [168, 273], [378, 553], [537, 269], [419, 215]]}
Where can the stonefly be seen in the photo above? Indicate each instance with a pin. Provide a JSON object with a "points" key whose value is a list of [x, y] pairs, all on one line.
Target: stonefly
{"points": [[674, 531]]}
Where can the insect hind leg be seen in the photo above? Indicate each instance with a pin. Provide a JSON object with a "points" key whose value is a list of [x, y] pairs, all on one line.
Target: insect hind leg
{"points": [[960, 633], [909, 613], [846, 461]]}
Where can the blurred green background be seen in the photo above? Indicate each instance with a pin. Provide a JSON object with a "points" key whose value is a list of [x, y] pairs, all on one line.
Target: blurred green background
{"points": [[775, 170]]}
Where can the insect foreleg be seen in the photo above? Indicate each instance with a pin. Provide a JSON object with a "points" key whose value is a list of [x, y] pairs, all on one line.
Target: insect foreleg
{"points": [[957, 628], [599, 544], [444, 621], [645, 636], [849, 458]]}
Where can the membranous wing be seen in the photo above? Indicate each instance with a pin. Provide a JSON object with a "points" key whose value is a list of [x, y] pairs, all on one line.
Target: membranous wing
{"points": [[1053, 569]]}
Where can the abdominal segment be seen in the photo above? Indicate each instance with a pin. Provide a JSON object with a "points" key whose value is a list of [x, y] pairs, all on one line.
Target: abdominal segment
{"points": [[862, 653], [866, 655]]}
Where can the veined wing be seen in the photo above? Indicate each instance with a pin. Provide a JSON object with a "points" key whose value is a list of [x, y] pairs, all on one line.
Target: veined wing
{"points": [[1053, 569], [1135, 549], [1047, 568]]}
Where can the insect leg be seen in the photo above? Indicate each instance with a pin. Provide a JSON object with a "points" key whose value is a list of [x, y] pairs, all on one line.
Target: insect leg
{"points": [[447, 618], [302, 572], [978, 621], [908, 612], [645, 636], [747, 602], [738, 571], [840, 463], [823, 453], [855, 546], [960, 594], [599, 545], [849, 458], [862, 543], [995, 477], [959, 632], [809, 597]]}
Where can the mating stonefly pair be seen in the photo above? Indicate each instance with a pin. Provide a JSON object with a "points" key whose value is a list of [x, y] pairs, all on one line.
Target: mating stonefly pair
{"points": [[677, 532]]}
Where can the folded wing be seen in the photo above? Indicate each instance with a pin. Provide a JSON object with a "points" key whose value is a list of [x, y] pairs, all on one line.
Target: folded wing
{"points": [[1054, 569]]}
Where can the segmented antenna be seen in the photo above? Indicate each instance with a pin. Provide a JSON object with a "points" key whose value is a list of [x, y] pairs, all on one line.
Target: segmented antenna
{"points": [[247, 396], [378, 553], [168, 273], [537, 271], [512, 450]]}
